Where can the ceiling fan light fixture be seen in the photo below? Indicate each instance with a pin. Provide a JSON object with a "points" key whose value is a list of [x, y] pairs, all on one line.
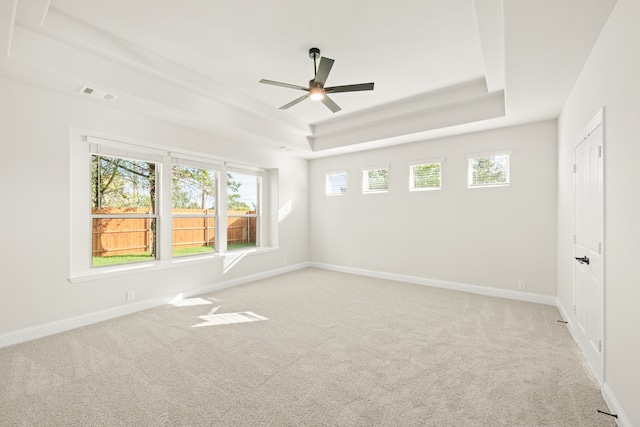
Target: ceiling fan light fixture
{"points": [[316, 93]]}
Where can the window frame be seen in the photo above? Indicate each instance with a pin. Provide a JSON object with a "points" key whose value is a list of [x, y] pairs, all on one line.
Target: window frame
{"points": [[328, 182], [412, 164], [258, 173], [114, 150], [80, 223], [366, 189], [194, 162], [501, 153]]}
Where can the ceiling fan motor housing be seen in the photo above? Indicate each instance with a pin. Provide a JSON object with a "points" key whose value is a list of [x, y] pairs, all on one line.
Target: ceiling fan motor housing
{"points": [[313, 83]]}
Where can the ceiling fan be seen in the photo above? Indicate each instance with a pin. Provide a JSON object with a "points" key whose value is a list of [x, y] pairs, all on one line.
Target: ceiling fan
{"points": [[316, 89]]}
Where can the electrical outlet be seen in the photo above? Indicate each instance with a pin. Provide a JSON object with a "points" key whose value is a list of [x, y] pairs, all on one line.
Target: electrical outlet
{"points": [[349, 261], [522, 284], [131, 295], [284, 261]]}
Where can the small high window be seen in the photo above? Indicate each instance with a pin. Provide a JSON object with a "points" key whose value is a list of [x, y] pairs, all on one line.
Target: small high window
{"points": [[425, 175], [375, 180], [336, 183], [489, 170]]}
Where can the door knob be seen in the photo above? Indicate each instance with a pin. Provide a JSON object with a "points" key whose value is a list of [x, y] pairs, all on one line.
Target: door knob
{"points": [[583, 260]]}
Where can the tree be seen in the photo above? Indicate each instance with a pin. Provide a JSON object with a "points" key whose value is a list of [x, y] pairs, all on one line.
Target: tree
{"points": [[377, 179], [233, 195], [192, 188], [488, 170], [426, 175], [122, 183]]}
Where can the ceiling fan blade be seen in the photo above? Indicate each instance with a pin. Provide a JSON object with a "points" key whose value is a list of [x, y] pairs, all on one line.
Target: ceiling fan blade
{"points": [[295, 101], [323, 70], [349, 88], [271, 82], [330, 104]]}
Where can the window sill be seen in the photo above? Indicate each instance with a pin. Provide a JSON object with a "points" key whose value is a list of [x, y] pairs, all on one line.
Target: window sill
{"points": [[143, 267]]}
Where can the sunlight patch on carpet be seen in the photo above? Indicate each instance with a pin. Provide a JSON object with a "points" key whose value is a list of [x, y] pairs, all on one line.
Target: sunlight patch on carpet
{"points": [[228, 319], [190, 302]]}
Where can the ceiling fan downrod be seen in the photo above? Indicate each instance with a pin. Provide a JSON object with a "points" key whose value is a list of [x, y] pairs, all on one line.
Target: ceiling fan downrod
{"points": [[314, 53]]}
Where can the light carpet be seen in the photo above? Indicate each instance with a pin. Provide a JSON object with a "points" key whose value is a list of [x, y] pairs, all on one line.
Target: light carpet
{"points": [[335, 350]]}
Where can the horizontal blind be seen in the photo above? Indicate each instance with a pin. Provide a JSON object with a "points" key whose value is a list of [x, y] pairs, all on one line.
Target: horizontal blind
{"points": [[426, 175], [489, 170], [247, 170], [124, 151], [336, 182], [376, 179], [195, 162]]}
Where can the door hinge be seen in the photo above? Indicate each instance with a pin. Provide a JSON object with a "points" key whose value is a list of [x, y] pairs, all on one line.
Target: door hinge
{"points": [[574, 238], [600, 151], [599, 248], [575, 168], [574, 309], [600, 345]]}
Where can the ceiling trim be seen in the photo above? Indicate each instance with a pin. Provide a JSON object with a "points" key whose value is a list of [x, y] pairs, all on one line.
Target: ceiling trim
{"points": [[438, 116]]}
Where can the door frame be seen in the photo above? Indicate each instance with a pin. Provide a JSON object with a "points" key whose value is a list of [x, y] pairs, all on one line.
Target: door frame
{"points": [[597, 120]]}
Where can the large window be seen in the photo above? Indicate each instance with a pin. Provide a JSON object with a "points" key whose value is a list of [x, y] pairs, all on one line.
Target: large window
{"points": [[375, 180], [489, 170], [193, 207], [154, 205], [425, 175], [243, 208]]}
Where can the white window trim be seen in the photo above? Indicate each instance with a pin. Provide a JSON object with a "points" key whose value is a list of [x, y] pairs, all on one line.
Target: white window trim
{"points": [[80, 216], [508, 153], [365, 179], [327, 176]]}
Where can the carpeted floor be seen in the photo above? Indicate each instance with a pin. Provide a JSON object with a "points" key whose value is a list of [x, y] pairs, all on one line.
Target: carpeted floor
{"points": [[309, 348]]}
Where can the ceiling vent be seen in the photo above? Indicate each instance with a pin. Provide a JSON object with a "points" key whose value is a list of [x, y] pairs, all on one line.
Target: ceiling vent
{"points": [[97, 93]]}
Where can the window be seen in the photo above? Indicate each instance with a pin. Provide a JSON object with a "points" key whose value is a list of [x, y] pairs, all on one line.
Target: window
{"points": [[425, 175], [193, 207], [151, 206], [243, 208], [336, 183], [123, 207], [489, 170], [375, 180]]}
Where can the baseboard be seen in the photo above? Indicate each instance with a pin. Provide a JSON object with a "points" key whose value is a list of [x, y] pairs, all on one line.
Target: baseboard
{"points": [[614, 406], [565, 317], [244, 279], [51, 328], [464, 287]]}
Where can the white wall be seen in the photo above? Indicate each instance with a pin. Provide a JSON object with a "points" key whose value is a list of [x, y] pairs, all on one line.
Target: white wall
{"points": [[610, 79], [34, 219], [483, 236]]}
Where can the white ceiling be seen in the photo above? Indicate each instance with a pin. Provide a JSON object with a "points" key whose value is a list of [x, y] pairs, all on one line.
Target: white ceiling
{"points": [[440, 67]]}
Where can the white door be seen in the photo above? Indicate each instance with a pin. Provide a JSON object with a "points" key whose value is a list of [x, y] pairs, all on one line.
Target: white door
{"points": [[589, 247]]}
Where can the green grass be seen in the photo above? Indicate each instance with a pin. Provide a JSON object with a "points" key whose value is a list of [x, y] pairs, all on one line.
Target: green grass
{"points": [[240, 246], [193, 251], [103, 261]]}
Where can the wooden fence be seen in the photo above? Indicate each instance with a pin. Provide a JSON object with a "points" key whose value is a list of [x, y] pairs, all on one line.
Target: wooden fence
{"points": [[123, 236]]}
